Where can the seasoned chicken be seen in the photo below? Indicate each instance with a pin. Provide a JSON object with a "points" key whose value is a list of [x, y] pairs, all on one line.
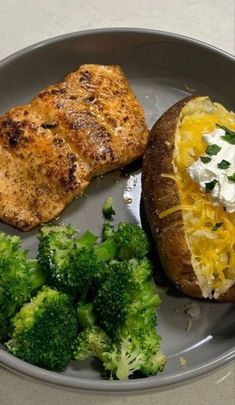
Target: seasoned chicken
{"points": [[88, 124]]}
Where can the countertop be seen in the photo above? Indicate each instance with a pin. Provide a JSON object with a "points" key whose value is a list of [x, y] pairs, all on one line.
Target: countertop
{"points": [[24, 22]]}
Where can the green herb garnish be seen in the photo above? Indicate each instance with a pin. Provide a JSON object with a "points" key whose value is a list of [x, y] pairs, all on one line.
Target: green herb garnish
{"points": [[205, 159], [224, 164], [229, 134], [210, 185], [216, 226], [212, 149], [232, 178]]}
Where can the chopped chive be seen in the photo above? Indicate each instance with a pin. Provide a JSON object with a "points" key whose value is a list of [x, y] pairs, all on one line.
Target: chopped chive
{"points": [[229, 134], [229, 139], [229, 131], [212, 149], [224, 164], [232, 178], [216, 226], [210, 185], [205, 159]]}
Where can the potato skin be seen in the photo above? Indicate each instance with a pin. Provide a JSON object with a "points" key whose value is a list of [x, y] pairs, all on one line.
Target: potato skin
{"points": [[161, 193], [228, 296]]}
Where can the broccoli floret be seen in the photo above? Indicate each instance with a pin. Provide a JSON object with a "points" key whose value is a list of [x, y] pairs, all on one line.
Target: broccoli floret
{"points": [[134, 352], [149, 343], [54, 253], [19, 277], [132, 241], [83, 267], [118, 359], [44, 330], [136, 347], [69, 261], [112, 301], [91, 342], [107, 231], [108, 210], [124, 360], [125, 307], [126, 289], [72, 263]]}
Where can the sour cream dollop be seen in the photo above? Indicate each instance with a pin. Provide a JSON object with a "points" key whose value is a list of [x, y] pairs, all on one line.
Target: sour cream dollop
{"points": [[222, 190]]}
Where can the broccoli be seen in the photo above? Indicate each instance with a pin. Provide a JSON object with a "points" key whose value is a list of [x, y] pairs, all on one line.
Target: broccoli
{"points": [[126, 289], [107, 231], [115, 319], [123, 360], [91, 342], [112, 301], [85, 314], [44, 330], [69, 263], [19, 277], [117, 358], [131, 240], [106, 251], [108, 210], [54, 252], [125, 310], [134, 352], [72, 263]]}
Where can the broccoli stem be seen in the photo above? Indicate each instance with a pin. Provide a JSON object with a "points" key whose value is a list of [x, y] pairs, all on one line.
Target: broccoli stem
{"points": [[106, 251], [85, 315], [88, 239], [38, 277]]}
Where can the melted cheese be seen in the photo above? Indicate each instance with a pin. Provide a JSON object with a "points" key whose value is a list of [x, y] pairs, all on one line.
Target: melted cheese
{"points": [[213, 251]]}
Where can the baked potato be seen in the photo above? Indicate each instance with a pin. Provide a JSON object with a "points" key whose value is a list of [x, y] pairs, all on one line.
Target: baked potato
{"points": [[194, 233]]}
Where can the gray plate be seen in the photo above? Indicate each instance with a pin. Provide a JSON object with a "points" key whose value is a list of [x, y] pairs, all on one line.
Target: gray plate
{"points": [[161, 68]]}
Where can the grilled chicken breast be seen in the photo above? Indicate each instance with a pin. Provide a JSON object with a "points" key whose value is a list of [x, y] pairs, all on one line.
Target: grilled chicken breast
{"points": [[50, 149]]}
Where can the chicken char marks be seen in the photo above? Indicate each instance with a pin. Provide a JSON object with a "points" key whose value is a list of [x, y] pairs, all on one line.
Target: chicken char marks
{"points": [[87, 125]]}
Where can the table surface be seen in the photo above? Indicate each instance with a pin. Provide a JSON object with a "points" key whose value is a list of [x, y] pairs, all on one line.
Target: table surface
{"points": [[24, 22]]}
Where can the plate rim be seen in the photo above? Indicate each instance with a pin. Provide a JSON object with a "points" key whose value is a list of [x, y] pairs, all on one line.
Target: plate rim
{"points": [[133, 30], [20, 367], [136, 385]]}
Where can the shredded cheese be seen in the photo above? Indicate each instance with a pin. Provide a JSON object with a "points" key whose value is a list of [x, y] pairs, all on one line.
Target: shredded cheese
{"points": [[213, 251], [169, 176], [176, 208], [182, 362]]}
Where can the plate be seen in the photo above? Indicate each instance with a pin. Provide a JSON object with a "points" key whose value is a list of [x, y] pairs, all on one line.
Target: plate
{"points": [[161, 68]]}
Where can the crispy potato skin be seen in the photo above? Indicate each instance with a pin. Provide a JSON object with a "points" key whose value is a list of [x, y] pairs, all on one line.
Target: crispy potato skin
{"points": [[159, 194], [229, 296]]}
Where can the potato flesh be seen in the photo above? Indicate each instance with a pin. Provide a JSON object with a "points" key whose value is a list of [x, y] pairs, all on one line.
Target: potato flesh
{"points": [[213, 252]]}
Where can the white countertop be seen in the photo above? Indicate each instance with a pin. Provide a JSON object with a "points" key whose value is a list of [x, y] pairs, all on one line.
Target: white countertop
{"points": [[24, 22]]}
